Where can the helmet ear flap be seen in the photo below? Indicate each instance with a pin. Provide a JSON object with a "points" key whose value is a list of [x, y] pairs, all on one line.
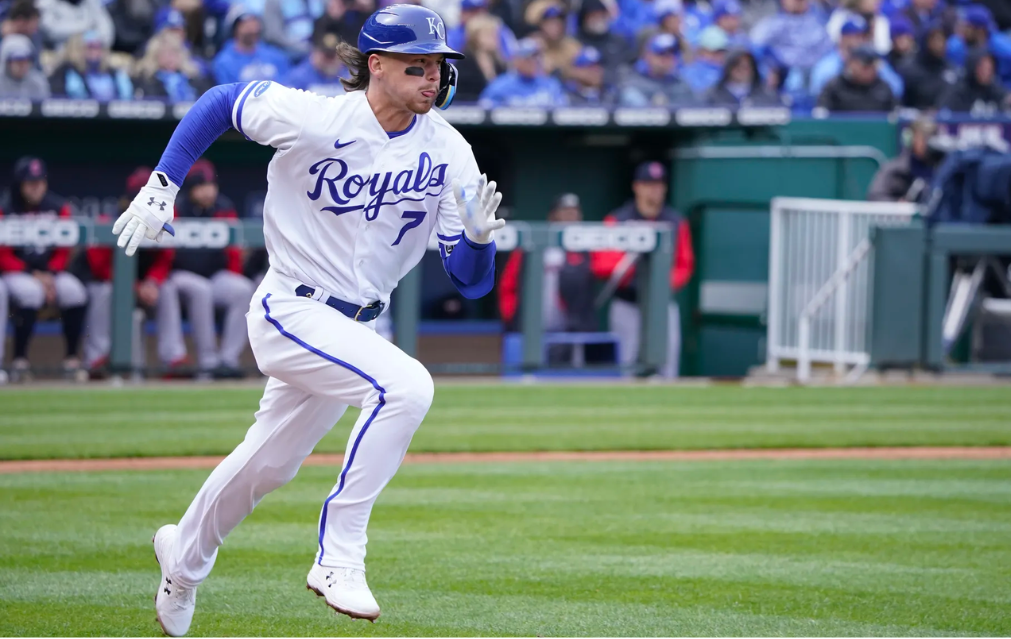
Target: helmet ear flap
{"points": [[447, 85]]}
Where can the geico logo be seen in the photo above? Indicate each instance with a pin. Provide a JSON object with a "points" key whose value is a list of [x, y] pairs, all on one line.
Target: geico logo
{"points": [[198, 235], [39, 233], [596, 238]]}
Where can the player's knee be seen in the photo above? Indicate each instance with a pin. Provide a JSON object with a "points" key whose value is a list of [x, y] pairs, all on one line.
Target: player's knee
{"points": [[70, 291], [29, 293], [415, 389]]}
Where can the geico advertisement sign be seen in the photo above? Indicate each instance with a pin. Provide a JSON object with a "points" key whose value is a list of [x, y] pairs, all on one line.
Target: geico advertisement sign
{"points": [[39, 232], [208, 234], [599, 238]]}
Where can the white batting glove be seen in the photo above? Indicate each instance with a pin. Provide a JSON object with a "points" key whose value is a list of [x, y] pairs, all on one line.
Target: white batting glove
{"points": [[478, 215], [148, 215]]}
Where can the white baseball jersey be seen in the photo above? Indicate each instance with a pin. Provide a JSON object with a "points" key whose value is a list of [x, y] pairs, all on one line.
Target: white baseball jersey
{"points": [[350, 208]]}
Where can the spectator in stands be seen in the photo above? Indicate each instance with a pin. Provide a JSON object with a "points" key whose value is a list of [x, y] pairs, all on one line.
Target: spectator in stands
{"points": [[525, 84], [924, 13], [852, 35], [245, 58], [903, 42], [167, 71], [289, 24], [976, 30], [740, 84], [133, 23], [345, 18], [568, 305], [929, 75], [878, 26], [634, 17], [702, 73], [670, 19], [64, 18], [594, 31], [697, 15], [795, 35], [94, 267], [484, 60], [586, 86], [18, 78], [209, 278], [322, 71], [457, 37], [859, 87], [979, 91], [36, 275], [727, 16], [23, 19], [654, 80], [907, 178], [85, 72], [649, 204], [557, 48]]}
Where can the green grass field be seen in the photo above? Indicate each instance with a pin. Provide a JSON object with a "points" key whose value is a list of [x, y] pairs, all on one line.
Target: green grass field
{"points": [[199, 421], [803, 548]]}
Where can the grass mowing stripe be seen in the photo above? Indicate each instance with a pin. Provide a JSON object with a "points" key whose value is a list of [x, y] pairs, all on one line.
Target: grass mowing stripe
{"points": [[193, 421], [598, 549]]}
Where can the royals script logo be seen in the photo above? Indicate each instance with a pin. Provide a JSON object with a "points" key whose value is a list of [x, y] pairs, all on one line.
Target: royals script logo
{"points": [[384, 189]]}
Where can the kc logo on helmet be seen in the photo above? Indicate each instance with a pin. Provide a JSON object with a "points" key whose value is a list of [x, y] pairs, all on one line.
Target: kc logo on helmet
{"points": [[436, 27]]}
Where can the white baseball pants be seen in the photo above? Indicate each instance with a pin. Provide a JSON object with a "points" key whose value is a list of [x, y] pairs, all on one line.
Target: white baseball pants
{"points": [[98, 327], [28, 292], [319, 362], [224, 289], [624, 320]]}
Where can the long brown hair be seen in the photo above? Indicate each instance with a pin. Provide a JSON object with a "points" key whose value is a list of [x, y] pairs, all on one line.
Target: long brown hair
{"points": [[357, 63]]}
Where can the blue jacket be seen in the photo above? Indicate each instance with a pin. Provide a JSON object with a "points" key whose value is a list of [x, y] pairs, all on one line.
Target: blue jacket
{"points": [[831, 65], [970, 187], [266, 63], [701, 75], [308, 78], [514, 90], [795, 40], [1000, 47]]}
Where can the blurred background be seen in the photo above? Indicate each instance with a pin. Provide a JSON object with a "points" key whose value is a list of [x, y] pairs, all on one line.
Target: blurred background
{"points": [[826, 186]]}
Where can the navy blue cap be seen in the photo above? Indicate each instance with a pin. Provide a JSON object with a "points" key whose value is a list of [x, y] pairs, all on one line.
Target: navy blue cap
{"points": [[650, 172], [30, 168], [854, 25], [587, 57]]}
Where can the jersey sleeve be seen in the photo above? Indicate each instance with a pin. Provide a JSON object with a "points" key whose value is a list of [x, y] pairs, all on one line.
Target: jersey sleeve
{"points": [[271, 114], [449, 227]]}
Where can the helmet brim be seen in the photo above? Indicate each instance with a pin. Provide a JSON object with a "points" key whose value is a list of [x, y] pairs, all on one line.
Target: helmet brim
{"points": [[419, 47]]}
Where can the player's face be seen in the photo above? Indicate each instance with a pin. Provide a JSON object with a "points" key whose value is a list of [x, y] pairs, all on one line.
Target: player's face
{"points": [[416, 92]]}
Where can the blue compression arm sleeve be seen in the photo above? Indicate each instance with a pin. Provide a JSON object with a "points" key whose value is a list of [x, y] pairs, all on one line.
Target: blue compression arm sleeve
{"points": [[471, 266], [207, 119]]}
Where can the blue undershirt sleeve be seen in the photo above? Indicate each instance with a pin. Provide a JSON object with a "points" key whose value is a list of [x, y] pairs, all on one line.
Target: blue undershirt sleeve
{"points": [[471, 267], [207, 119]]}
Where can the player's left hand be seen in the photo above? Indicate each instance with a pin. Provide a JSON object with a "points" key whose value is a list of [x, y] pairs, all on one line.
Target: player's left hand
{"points": [[478, 214], [149, 214]]}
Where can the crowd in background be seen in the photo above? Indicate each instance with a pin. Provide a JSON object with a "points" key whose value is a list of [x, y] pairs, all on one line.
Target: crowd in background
{"points": [[840, 55]]}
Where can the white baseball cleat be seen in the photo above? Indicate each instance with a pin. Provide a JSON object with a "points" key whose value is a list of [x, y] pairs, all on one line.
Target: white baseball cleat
{"points": [[345, 591], [173, 604]]}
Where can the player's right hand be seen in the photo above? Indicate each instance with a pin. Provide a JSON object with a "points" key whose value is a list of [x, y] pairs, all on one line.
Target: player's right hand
{"points": [[149, 214]]}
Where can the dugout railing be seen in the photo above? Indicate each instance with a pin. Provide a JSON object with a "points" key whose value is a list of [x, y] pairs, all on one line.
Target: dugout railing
{"points": [[654, 243]]}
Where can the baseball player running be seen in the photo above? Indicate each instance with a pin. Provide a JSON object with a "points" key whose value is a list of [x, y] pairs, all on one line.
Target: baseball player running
{"points": [[356, 187]]}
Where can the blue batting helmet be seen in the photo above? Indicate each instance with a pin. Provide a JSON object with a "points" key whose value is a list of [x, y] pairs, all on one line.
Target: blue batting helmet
{"points": [[405, 28]]}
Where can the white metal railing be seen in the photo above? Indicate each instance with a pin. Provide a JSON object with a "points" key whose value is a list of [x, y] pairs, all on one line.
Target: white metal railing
{"points": [[819, 281]]}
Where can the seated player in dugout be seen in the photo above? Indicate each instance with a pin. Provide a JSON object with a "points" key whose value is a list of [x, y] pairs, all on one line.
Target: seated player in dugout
{"points": [[568, 288], [207, 279], [36, 276], [94, 267], [649, 204]]}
